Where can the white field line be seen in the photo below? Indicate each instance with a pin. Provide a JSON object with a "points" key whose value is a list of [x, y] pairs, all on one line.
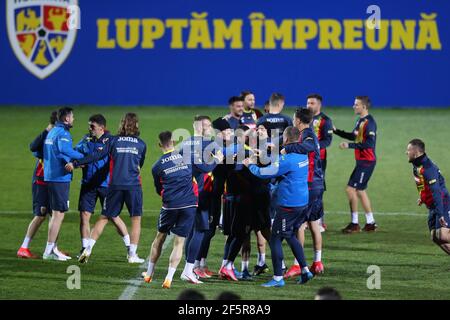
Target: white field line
{"points": [[134, 283]]}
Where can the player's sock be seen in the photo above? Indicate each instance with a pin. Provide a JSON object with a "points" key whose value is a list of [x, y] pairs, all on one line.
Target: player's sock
{"points": [[244, 265], [90, 245], [196, 264], [261, 259], [224, 262], [355, 217], [26, 243], [133, 249], [296, 262], [202, 262], [170, 273], [277, 278], [369, 218], [84, 242], [317, 255], [126, 240], [283, 265], [49, 248], [188, 268], [150, 268], [229, 265]]}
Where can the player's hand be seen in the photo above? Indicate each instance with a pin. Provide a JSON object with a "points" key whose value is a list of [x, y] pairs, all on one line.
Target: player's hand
{"points": [[419, 202], [283, 151], [69, 166], [219, 157], [343, 145], [443, 222]]}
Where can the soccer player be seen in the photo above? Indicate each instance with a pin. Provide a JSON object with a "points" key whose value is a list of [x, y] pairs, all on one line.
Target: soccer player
{"points": [[432, 192], [39, 192], [308, 144], [126, 152], [58, 151], [172, 176], [323, 128], [95, 179], [250, 114], [364, 137], [292, 205], [236, 105]]}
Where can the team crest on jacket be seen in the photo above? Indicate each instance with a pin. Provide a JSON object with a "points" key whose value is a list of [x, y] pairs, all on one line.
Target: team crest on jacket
{"points": [[39, 34]]}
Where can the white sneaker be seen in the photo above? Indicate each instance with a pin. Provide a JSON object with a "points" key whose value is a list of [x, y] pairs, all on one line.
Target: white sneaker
{"points": [[135, 259], [192, 278], [53, 256], [60, 254], [84, 257]]}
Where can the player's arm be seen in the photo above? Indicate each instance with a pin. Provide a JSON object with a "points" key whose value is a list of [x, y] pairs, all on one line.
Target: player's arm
{"points": [[327, 134], [81, 146], [370, 132], [144, 151], [157, 180], [64, 143], [96, 156], [344, 134], [306, 146], [274, 170], [38, 143], [431, 177]]}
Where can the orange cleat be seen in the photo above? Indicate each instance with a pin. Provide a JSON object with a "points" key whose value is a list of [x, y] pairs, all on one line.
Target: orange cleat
{"points": [[148, 279], [317, 267], [25, 253], [294, 271], [207, 272], [166, 284], [199, 272]]}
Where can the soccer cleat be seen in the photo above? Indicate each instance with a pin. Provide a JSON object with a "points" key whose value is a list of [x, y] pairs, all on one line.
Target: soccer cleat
{"points": [[148, 279], [351, 228], [61, 254], [237, 273], [245, 275], [166, 284], [227, 274], [135, 259], [324, 227], [208, 272], [53, 256], [293, 271], [305, 277], [199, 272], [258, 270], [274, 283], [84, 257], [370, 227], [144, 274], [81, 252], [190, 278], [317, 267], [25, 253]]}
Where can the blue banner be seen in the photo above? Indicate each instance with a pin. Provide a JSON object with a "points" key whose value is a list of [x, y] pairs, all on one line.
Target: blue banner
{"points": [[186, 52]]}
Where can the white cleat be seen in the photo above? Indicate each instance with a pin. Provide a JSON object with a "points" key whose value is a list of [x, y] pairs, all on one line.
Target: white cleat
{"points": [[53, 256], [84, 257], [135, 259], [60, 254], [190, 278]]}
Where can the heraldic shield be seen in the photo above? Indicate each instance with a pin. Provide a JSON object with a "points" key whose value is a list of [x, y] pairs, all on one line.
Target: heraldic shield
{"points": [[39, 33]]}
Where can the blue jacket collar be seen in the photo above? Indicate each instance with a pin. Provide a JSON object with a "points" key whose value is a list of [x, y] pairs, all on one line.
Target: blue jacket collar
{"points": [[62, 125]]}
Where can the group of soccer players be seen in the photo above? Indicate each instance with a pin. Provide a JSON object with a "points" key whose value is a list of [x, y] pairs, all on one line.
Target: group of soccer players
{"points": [[246, 172]]}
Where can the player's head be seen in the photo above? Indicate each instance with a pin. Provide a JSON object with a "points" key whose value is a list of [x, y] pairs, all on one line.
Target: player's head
{"points": [[361, 105], [97, 125], [228, 295], [224, 130], [202, 125], [276, 102], [65, 115], [165, 140], [267, 106], [415, 149], [327, 293], [291, 135], [262, 131], [236, 106], [249, 99], [314, 103], [303, 117], [53, 118], [129, 125], [190, 294]]}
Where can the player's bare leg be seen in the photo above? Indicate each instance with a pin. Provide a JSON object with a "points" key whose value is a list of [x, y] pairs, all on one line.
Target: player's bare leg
{"points": [[365, 202], [33, 227], [51, 252], [261, 266], [122, 230], [314, 227], [155, 253], [352, 196], [174, 260], [441, 237], [245, 258], [85, 228], [95, 234], [134, 239]]}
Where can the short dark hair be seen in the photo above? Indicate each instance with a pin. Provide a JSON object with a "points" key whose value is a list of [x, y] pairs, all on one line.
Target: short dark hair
{"points": [[275, 98], [328, 293], [201, 118], [305, 115], [228, 295], [165, 137], [365, 101], [315, 96], [266, 103], [53, 117], [98, 119], [245, 93], [190, 294], [63, 113], [418, 144], [234, 99], [292, 134]]}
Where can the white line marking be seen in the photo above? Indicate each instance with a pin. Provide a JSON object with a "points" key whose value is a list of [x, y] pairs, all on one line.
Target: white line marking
{"points": [[135, 283]]}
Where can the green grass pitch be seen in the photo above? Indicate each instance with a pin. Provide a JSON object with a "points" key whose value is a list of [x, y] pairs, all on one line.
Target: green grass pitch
{"points": [[412, 267]]}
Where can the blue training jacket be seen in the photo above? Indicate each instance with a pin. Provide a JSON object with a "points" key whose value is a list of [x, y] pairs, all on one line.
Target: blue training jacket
{"points": [[292, 190], [58, 152], [126, 158], [95, 174]]}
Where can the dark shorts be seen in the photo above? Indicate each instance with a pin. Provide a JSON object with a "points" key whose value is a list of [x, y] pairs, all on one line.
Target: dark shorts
{"points": [[433, 220], [201, 220], [88, 198], [361, 175], [286, 220], [177, 221], [315, 205], [260, 219], [115, 199], [59, 195], [41, 200]]}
